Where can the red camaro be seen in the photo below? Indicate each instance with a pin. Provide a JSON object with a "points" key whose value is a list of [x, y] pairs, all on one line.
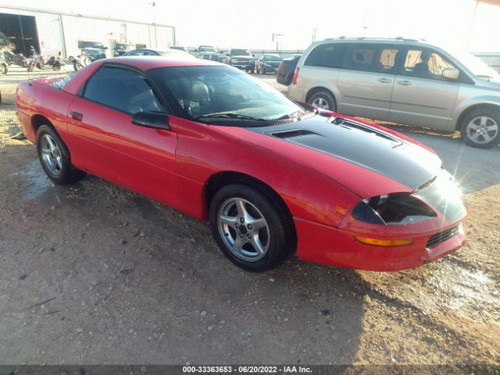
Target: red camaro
{"points": [[274, 178]]}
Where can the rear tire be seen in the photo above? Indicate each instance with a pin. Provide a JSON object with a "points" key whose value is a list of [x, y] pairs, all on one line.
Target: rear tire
{"points": [[77, 66], [54, 157], [252, 232], [3, 68], [481, 128], [323, 100]]}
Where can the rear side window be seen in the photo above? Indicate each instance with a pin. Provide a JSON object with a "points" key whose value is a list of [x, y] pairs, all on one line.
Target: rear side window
{"points": [[387, 60], [327, 55], [376, 58], [121, 89]]}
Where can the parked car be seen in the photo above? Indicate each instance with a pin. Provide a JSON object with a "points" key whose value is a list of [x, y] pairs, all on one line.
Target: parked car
{"points": [[93, 53], [210, 53], [286, 69], [155, 52], [272, 177], [242, 59], [121, 48], [86, 57], [268, 63], [403, 81]]}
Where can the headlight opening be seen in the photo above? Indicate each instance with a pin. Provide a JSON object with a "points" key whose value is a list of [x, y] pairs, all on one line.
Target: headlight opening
{"points": [[393, 209]]}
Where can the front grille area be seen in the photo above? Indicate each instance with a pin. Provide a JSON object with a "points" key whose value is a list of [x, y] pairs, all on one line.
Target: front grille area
{"points": [[441, 237]]}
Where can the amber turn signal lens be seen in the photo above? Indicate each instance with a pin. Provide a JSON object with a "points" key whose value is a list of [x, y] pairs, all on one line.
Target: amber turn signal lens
{"points": [[380, 242]]}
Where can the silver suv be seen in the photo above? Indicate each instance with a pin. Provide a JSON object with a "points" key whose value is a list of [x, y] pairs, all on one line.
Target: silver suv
{"points": [[403, 81]]}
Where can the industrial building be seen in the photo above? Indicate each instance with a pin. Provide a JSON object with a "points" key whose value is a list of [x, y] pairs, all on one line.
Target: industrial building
{"points": [[50, 32]]}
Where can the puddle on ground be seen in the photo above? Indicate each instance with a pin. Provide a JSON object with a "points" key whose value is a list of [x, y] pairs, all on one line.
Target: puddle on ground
{"points": [[473, 287], [34, 180]]}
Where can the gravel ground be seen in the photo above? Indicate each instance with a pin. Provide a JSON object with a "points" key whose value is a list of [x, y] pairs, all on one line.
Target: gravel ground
{"points": [[94, 274]]}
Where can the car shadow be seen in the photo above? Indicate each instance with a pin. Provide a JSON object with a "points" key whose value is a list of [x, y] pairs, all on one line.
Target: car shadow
{"points": [[296, 313]]}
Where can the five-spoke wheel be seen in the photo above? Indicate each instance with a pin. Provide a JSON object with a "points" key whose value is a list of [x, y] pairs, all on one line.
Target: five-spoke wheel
{"points": [[54, 157], [323, 100], [243, 229], [252, 231], [481, 128]]}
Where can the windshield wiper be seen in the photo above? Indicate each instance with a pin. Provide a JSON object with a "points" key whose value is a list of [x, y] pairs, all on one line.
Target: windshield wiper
{"points": [[299, 115], [294, 115], [231, 115]]}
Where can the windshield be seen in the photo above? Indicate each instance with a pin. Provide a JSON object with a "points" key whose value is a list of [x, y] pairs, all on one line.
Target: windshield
{"points": [[477, 67], [206, 49], [235, 52], [272, 58], [123, 46], [91, 51], [98, 45], [211, 93]]}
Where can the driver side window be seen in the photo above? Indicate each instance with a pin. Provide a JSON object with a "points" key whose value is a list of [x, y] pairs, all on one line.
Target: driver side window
{"points": [[123, 90], [425, 63]]}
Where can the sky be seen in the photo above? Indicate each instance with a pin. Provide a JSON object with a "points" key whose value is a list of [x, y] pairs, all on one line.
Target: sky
{"points": [[251, 24]]}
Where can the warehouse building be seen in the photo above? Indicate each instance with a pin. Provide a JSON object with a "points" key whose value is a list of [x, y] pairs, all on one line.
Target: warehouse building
{"points": [[50, 32]]}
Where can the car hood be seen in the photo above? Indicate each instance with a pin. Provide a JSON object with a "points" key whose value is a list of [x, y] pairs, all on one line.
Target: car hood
{"points": [[362, 145], [241, 57], [491, 83]]}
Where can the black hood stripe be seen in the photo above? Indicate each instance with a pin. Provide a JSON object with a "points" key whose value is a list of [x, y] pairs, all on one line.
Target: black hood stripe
{"points": [[360, 144]]}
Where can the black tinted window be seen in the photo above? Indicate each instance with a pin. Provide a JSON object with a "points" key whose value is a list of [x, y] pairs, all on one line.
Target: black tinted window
{"points": [[121, 89], [327, 55]]}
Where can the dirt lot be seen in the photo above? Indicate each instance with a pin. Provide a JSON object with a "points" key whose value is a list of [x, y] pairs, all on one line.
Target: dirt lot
{"points": [[94, 274]]}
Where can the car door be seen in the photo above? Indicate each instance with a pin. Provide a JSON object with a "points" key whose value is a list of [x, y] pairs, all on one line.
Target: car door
{"points": [[421, 95], [367, 79], [103, 140]]}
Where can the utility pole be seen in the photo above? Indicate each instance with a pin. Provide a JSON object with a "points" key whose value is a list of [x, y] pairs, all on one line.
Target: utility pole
{"points": [[275, 38], [153, 5]]}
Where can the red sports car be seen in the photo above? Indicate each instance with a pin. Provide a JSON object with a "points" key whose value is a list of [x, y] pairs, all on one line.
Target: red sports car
{"points": [[273, 177]]}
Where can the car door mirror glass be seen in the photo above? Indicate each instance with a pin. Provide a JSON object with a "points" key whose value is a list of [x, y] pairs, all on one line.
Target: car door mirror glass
{"points": [[155, 120], [450, 73]]}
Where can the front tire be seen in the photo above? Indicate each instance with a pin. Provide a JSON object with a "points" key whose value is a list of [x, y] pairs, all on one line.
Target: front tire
{"points": [[323, 100], [249, 229], [481, 128], [54, 157], [3, 69]]}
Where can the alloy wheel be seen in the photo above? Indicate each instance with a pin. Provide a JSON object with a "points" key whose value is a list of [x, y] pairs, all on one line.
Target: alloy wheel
{"points": [[482, 129], [51, 155], [243, 229]]}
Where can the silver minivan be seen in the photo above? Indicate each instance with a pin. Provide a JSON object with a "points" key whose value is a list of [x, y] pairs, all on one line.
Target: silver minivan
{"points": [[403, 81]]}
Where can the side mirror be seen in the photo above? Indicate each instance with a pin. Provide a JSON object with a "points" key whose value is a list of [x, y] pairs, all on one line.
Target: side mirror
{"points": [[450, 73], [155, 120]]}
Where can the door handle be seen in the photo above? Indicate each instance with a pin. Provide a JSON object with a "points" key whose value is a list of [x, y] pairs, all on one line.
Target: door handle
{"points": [[384, 80], [76, 116], [404, 83]]}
